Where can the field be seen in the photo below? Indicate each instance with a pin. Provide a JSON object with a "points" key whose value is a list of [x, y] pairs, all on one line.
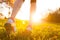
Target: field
{"points": [[44, 31]]}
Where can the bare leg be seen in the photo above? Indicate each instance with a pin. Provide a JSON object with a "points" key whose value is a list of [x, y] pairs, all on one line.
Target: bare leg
{"points": [[10, 22], [16, 7]]}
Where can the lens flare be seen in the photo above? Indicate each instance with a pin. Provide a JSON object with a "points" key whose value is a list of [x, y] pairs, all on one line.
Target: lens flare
{"points": [[42, 7], [36, 18]]}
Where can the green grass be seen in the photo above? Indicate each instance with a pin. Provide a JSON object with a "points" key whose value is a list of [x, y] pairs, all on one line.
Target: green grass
{"points": [[44, 31]]}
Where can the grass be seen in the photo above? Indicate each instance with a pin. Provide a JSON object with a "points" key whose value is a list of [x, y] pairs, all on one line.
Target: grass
{"points": [[44, 31]]}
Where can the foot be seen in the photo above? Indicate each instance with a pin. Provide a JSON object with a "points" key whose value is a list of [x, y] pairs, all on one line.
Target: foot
{"points": [[10, 25]]}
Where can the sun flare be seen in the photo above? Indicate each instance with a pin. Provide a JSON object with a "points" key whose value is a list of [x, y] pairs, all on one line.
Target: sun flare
{"points": [[42, 7]]}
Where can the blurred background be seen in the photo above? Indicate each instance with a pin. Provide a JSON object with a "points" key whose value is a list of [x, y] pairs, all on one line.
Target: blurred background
{"points": [[36, 20]]}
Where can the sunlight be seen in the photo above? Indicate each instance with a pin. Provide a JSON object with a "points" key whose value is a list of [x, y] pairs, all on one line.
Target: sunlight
{"points": [[24, 12], [36, 18], [42, 7]]}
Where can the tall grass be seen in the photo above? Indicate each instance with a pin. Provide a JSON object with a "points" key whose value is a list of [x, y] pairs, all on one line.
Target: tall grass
{"points": [[44, 31]]}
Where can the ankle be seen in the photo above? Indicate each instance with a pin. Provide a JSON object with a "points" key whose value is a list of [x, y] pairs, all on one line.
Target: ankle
{"points": [[10, 20]]}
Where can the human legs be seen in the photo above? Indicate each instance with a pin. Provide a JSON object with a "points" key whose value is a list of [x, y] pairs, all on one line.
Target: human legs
{"points": [[16, 7]]}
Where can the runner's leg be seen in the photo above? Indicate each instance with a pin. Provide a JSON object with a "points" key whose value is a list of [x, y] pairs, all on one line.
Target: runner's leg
{"points": [[16, 7]]}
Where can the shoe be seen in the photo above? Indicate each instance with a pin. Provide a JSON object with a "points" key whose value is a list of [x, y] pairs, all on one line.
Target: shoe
{"points": [[29, 27], [10, 26]]}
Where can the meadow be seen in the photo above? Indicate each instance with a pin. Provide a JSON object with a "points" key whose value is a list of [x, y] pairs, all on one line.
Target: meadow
{"points": [[43, 31]]}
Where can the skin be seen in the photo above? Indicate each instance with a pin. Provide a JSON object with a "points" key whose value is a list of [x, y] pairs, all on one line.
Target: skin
{"points": [[1, 1], [16, 7]]}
